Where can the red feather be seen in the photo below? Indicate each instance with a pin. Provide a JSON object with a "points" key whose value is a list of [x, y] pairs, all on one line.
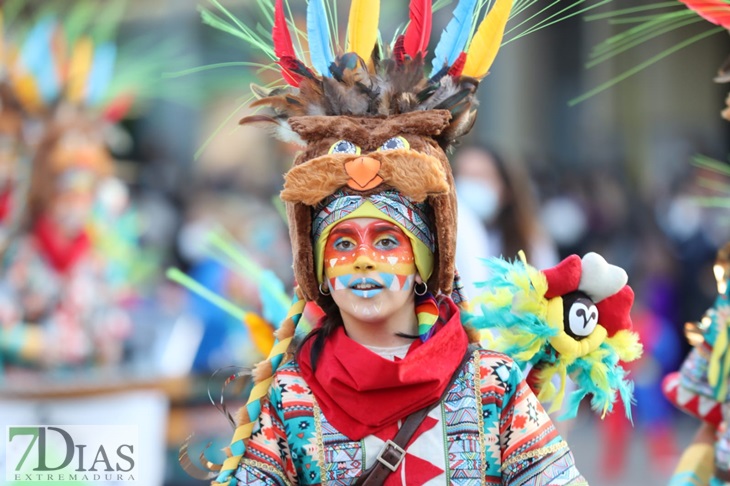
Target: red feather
{"points": [[614, 312], [419, 30], [118, 107], [715, 11], [564, 277], [458, 66], [399, 52], [283, 46]]}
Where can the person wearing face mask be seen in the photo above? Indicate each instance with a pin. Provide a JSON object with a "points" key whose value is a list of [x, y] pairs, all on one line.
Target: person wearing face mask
{"points": [[497, 214]]}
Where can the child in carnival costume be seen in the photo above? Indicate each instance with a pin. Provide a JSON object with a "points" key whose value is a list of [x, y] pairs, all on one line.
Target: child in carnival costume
{"points": [[57, 308], [391, 387]]}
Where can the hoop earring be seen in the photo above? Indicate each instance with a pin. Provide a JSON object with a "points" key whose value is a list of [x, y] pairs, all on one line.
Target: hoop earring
{"points": [[322, 291], [422, 293]]}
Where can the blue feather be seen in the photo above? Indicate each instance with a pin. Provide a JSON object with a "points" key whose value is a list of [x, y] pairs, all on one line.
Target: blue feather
{"points": [[455, 35], [101, 72], [36, 59], [318, 34]]}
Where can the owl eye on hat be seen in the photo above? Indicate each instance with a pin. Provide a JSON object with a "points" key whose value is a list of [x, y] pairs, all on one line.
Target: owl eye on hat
{"points": [[569, 320]]}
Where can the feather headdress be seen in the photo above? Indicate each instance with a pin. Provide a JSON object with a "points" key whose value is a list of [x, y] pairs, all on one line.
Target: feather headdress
{"points": [[67, 55], [365, 76], [62, 69]]}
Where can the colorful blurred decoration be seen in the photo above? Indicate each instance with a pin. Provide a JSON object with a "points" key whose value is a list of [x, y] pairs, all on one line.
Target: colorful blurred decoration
{"points": [[64, 83], [653, 414], [571, 320], [700, 387], [224, 254]]}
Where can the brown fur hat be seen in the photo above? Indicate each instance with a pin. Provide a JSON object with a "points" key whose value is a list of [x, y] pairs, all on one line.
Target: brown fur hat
{"points": [[421, 173], [400, 102]]}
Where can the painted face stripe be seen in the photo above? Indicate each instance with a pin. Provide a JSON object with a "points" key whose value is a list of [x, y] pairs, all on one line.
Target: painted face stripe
{"points": [[402, 271]]}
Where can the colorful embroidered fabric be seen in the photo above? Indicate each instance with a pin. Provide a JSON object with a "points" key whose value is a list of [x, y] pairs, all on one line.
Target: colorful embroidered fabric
{"points": [[74, 321], [294, 444], [412, 216]]}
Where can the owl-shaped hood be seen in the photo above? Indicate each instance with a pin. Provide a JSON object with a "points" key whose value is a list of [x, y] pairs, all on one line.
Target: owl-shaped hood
{"points": [[377, 120]]}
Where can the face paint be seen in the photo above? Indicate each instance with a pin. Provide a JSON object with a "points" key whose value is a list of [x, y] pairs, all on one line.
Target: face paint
{"points": [[369, 266], [368, 256]]}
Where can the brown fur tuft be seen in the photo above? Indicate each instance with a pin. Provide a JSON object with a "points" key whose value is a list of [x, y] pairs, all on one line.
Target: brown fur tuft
{"points": [[286, 330], [262, 371]]}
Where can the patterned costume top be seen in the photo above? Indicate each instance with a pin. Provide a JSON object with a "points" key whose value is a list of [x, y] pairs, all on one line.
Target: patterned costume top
{"points": [[489, 430]]}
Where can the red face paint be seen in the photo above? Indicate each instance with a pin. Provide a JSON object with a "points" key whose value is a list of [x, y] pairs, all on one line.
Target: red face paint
{"points": [[367, 255]]}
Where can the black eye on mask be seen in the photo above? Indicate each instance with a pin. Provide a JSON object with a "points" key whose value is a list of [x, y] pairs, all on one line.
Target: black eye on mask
{"points": [[580, 315]]}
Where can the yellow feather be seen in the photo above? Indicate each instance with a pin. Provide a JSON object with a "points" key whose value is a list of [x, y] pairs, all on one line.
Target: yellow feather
{"points": [[557, 400], [261, 333], [545, 376], [26, 89], [485, 44], [362, 28], [598, 373], [496, 298], [80, 66], [626, 344]]}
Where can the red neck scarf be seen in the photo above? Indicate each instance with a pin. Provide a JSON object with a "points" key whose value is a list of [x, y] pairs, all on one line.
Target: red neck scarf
{"points": [[360, 392], [61, 252]]}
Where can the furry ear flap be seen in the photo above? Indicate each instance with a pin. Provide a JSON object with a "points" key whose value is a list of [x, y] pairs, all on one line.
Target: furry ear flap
{"points": [[444, 208], [300, 228]]}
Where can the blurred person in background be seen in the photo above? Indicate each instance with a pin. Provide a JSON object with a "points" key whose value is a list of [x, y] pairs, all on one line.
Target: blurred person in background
{"points": [[74, 258], [498, 214], [53, 285]]}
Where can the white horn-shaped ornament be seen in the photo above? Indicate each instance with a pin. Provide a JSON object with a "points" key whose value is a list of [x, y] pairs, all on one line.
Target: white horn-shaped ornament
{"points": [[599, 279]]}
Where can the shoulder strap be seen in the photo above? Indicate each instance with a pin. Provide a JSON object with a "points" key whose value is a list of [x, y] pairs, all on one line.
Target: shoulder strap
{"points": [[393, 452]]}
